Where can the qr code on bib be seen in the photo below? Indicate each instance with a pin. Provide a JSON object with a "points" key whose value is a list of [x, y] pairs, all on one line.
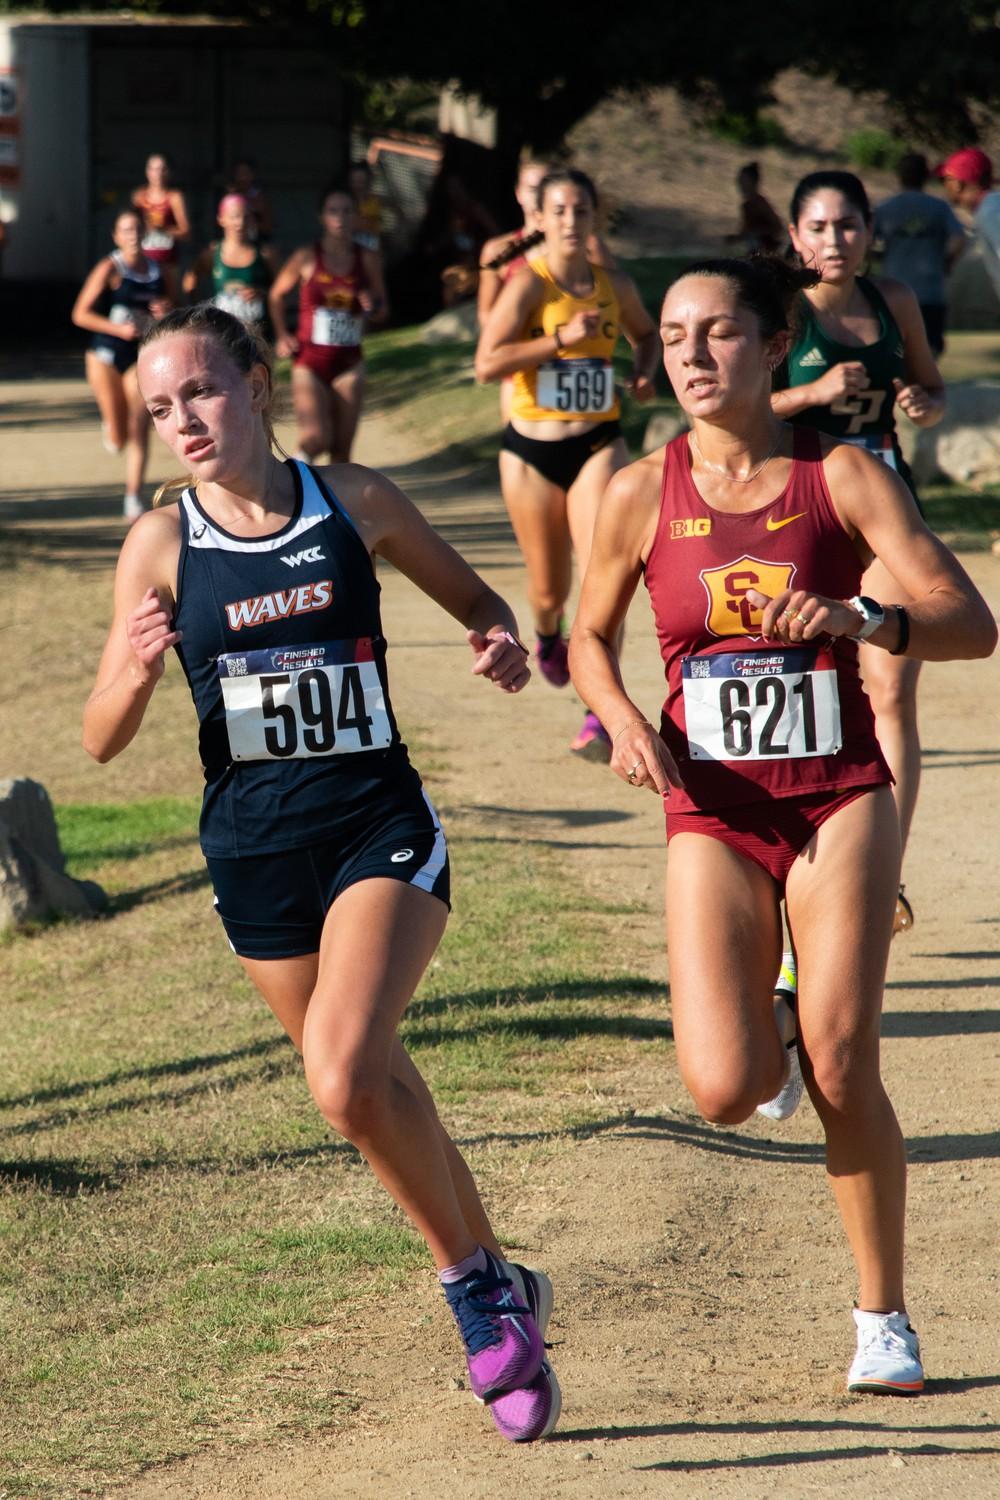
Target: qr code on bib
{"points": [[701, 669], [237, 666]]}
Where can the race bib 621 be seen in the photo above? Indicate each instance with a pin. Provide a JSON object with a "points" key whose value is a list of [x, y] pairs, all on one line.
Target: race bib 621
{"points": [[762, 705]]}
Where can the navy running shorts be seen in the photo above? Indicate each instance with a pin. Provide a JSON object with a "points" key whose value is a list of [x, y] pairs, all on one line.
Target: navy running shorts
{"points": [[274, 905]]}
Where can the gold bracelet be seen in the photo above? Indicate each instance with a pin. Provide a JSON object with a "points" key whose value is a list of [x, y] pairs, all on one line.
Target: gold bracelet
{"points": [[631, 724]]}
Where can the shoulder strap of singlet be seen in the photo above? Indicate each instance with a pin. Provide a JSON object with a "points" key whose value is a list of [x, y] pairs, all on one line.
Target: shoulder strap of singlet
{"points": [[879, 304], [308, 474]]}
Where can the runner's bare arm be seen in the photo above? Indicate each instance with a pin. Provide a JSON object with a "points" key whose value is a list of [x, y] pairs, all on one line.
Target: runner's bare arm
{"points": [[501, 349], [642, 334], [948, 617], [379, 312], [922, 396], [182, 227], [83, 314], [200, 268], [133, 659], [391, 526], [283, 284], [626, 525], [490, 282]]}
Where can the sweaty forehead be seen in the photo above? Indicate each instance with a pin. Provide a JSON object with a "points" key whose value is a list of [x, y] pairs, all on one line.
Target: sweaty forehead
{"points": [[697, 298], [170, 361]]}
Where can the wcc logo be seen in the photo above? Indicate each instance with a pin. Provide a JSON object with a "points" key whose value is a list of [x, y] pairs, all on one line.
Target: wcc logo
{"points": [[309, 555], [729, 610]]}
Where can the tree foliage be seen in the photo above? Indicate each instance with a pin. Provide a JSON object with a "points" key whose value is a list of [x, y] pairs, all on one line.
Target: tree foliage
{"points": [[544, 67]]}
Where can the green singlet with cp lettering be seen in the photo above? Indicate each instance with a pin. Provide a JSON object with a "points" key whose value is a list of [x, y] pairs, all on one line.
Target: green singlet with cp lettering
{"points": [[869, 414]]}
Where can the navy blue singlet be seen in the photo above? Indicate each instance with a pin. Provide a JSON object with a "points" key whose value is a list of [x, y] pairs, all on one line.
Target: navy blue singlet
{"points": [[284, 654]]}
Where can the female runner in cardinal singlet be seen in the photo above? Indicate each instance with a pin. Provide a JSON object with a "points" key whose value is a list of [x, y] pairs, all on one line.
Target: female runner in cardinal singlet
{"points": [[753, 537], [340, 290], [165, 218], [860, 349], [327, 859], [554, 329]]}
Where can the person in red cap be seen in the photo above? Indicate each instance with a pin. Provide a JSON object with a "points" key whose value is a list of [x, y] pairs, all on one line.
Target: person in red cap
{"points": [[968, 177]]}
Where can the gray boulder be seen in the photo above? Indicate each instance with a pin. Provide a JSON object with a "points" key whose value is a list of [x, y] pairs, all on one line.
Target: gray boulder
{"points": [[663, 427], [965, 445], [456, 325], [33, 879]]}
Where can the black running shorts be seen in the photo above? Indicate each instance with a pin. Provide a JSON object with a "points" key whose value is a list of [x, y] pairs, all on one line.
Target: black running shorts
{"points": [[274, 905]]}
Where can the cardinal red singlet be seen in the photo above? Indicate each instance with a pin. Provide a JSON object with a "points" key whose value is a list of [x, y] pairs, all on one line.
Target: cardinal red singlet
{"points": [[748, 720]]}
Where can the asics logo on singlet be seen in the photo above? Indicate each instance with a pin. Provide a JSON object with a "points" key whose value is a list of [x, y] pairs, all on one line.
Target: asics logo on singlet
{"points": [[401, 856], [311, 554], [280, 604], [813, 359]]}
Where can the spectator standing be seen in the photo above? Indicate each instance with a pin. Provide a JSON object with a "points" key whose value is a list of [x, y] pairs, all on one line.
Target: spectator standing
{"points": [[922, 239], [968, 177]]}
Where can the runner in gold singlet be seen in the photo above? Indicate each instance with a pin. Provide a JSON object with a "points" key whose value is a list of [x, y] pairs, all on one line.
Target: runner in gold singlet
{"points": [[554, 329]]}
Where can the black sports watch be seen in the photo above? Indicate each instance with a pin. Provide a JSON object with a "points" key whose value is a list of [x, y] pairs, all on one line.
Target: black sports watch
{"points": [[872, 615]]}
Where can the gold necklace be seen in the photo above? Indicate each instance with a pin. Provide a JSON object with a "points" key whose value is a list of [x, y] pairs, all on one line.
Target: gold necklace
{"points": [[735, 478]]}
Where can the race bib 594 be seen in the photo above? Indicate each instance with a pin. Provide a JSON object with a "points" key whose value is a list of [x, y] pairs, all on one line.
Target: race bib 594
{"points": [[297, 702]]}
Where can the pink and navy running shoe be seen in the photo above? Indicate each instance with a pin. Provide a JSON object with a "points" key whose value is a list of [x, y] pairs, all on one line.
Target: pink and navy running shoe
{"points": [[593, 742], [552, 655], [503, 1344], [532, 1411]]}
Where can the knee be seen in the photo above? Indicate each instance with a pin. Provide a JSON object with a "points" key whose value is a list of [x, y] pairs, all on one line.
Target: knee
{"points": [[724, 1101], [548, 598], [352, 1101], [844, 1078], [894, 697]]}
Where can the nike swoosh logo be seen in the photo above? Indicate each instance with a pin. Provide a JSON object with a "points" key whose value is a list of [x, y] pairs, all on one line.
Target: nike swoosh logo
{"points": [[777, 525]]}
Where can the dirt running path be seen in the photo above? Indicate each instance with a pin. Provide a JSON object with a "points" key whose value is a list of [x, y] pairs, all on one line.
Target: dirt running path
{"points": [[702, 1315]]}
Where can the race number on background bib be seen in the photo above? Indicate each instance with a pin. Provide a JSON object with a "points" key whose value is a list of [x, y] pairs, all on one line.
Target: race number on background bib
{"points": [[576, 387], [334, 326], [297, 702], [879, 445], [762, 705], [156, 239], [248, 311]]}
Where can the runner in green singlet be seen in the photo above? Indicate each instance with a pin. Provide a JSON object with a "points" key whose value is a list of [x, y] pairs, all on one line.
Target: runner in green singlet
{"points": [[241, 271], [859, 351]]}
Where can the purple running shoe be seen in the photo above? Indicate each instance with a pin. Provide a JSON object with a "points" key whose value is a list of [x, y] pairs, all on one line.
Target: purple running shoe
{"points": [[503, 1345], [532, 1411], [593, 742], [552, 655]]}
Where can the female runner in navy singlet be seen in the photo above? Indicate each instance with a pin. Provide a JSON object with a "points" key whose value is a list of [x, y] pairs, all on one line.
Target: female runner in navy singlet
{"points": [[329, 865], [752, 537], [117, 302]]}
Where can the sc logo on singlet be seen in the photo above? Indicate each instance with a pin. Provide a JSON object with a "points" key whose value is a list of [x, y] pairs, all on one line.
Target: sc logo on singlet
{"points": [[729, 610]]}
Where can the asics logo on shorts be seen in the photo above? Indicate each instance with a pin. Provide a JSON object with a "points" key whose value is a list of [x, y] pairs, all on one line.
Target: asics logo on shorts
{"points": [[401, 856]]}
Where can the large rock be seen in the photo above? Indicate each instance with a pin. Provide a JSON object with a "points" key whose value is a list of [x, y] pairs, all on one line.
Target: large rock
{"points": [[456, 325], [663, 427], [965, 445], [33, 879]]}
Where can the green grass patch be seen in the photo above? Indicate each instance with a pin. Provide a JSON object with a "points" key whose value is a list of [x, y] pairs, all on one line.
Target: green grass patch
{"points": [[186, 1250], [966, 519], [93, 834]]}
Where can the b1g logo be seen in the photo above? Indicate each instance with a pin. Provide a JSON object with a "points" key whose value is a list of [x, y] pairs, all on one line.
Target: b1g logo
{"points": [[729, 610]]}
